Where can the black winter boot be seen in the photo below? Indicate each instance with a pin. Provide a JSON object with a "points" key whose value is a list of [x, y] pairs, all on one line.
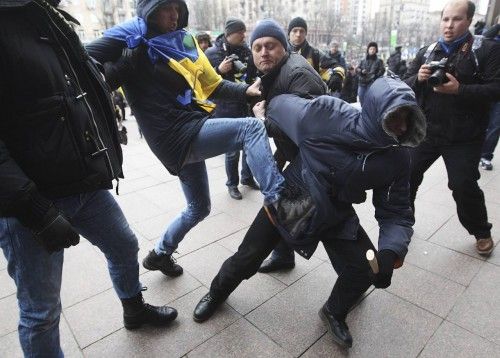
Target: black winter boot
{"points": [[136, 312], [165, 263]]}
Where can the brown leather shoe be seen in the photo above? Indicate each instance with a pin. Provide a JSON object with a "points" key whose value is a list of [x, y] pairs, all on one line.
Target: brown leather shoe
{"points": [[485, 246]]}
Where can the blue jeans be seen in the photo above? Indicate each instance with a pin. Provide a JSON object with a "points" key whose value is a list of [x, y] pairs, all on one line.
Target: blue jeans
{"points": [[218, 136], [492, 133], [232, 159], [37, 274]]}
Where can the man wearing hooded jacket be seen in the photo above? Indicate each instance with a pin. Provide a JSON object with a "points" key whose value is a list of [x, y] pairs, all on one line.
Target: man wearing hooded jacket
{"points": [[342, 153], [59, 153], [457, 113], [370, 68], [168, 80]]}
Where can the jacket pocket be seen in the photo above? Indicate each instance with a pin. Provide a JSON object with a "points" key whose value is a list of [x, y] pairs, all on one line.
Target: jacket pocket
{"points": [[45, 146]]}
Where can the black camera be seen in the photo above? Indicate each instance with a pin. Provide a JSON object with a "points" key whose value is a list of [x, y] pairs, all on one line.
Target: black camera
{"points": [[239, 67], [438, 69]]}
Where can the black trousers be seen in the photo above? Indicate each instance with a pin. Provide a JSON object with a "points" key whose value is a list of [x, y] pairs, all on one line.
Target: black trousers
{"points": [[461, 161], [347, 257]]}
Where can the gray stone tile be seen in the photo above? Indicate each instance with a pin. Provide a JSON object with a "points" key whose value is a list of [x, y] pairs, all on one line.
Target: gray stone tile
{"points": [[442, 261], [453, 236], [133, 174], [179, 338], [232, 242], [302, 268], [137, 207], [477, 309], [139, 161], [159, 172], [133, 185], [10, 315], [243, 210], [320, 253], [167, 196], [85, 274], [210, 230], [425, 289], [7, 285], [68, 343], [241, 340], [3, 262], [429, 218], [291, 317], [205, 263], [383, 325], [436, 195], [10, 346], [455, 342]]}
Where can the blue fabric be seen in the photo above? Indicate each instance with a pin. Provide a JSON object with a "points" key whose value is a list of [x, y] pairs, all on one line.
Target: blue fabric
{"points": [[449, 48], [37, 274], [162, 47]]}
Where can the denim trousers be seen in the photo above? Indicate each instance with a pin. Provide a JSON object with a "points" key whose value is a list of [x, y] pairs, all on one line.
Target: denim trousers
{"points": [[361, 92], [232, 159], [492, 133], [218, 136], [97, 217]]}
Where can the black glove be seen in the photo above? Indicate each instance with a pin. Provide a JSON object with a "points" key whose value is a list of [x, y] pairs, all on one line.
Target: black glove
{"points": [[55, 232], [118, 72], [386, 260]]}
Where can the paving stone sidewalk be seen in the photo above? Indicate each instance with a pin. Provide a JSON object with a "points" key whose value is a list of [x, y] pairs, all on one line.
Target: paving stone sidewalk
{"points": [[442, 303]]}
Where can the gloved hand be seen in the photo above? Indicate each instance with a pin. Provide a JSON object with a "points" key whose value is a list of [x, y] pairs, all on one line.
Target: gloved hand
{"points": [[386, 260], [55, 232], [119, 71]]}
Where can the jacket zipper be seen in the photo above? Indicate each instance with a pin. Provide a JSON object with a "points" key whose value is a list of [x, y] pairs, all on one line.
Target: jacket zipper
{"points": [[98, 142]]}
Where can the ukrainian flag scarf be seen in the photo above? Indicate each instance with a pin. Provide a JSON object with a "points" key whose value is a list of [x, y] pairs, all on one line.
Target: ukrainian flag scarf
{"points": [[180, 51]]}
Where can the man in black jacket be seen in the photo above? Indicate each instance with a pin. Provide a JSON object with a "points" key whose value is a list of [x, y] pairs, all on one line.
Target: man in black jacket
{"points": [[456, 105], [297, 42], [59, 153], [232, 58], [370, 68]]}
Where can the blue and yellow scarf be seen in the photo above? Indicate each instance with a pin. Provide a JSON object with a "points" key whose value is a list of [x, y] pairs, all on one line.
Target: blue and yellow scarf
{"points": [[180, 51]]}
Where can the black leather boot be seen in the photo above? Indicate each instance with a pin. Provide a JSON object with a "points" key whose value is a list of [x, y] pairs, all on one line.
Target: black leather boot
{"points": [[165, 263], [136, 312], [337, 327], [206, 308]]}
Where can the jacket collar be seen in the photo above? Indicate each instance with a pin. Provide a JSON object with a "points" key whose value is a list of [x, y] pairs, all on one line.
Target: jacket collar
{"points": [[14, 3]]}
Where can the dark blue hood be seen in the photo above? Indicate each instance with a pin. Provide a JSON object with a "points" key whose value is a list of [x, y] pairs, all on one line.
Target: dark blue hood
{"points": [[331, 120], [146, 7]]}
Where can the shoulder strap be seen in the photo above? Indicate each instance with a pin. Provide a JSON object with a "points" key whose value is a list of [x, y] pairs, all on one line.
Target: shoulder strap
{"points": [[429, 50]]}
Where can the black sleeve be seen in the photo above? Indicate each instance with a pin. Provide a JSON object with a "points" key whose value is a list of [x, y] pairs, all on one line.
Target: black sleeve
{"points": [[215, 57], [411, 74], [381, 69], [230, 90], [107, 52], [489, 66], [305, 83]]}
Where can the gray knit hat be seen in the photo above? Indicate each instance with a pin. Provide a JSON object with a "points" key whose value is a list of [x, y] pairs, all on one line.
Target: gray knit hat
{"points": [[233, 25]]}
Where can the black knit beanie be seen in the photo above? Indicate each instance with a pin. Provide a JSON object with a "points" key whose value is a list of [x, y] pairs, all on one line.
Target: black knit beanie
{"points": [[297, 22], [269, 27], [233, 25]]}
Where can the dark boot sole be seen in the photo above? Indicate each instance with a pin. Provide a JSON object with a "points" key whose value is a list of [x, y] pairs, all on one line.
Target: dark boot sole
{"points": [[136, 325], [166, 273], [336, 339], [280, 267]]}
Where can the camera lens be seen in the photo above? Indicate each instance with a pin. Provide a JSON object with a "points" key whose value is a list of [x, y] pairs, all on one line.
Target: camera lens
{"points": [[437, 78]]}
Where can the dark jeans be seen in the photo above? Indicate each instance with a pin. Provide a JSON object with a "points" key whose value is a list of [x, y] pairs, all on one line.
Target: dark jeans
{"points": [[232, 159], [492, 133], [347, 257], [461, 162]]}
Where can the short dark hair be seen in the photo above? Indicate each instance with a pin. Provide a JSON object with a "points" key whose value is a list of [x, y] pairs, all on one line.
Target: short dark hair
{"points": [[471, 10]]}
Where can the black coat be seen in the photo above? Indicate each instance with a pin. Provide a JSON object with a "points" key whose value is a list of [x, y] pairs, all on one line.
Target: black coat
{"points": [[58, 134], [294, 75], [374, 68], [460, 118]]}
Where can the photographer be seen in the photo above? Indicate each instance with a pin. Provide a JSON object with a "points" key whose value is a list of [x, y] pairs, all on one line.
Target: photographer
{"points": [[232, 59], [464, 72]]}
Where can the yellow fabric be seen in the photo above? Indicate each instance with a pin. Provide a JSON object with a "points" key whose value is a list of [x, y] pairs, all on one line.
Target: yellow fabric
{"points": [[325, 73], [200, 75]]}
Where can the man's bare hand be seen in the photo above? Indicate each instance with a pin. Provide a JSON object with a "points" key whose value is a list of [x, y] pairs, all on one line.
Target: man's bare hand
{"points": [[259, 110], [424, 73], [225, 66], [450, 87], [254, 89]]}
